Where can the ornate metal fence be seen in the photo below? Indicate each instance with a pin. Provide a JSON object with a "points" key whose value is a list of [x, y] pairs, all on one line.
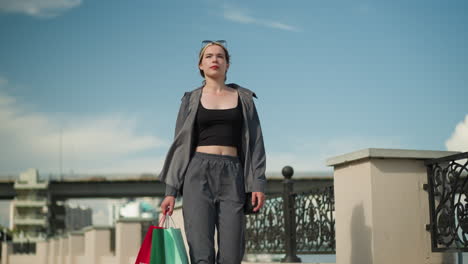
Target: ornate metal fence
{"points": [[27, 247], [315, 221], [448, 200], [294, 222], [265, 231]]}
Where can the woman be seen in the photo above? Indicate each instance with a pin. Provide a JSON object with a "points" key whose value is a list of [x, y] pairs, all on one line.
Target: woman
{"points": [[216, 158]]}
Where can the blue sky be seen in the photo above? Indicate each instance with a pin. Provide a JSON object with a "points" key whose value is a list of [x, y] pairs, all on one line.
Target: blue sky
{"points": [[331, 77]]}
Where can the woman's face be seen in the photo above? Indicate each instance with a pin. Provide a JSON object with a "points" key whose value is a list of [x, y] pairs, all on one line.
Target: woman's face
{"points": [[213, 63]]}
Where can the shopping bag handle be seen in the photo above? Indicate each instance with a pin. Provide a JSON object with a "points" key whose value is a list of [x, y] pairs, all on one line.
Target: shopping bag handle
{"points": [[166, 223], [172, 220], [163, 218]]}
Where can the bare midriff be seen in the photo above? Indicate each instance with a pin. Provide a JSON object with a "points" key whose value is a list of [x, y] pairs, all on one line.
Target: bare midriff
{"points": [[219, 150]]}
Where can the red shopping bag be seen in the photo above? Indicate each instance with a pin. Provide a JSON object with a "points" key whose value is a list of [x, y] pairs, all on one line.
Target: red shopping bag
{"points": [[145, 250]]}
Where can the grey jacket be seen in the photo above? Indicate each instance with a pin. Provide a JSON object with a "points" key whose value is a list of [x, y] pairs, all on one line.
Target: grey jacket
{"points": [[252, 155]]}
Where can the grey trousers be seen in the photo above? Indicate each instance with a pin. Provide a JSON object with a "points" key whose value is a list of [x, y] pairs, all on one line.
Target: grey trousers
{"points": [[214, 195]]}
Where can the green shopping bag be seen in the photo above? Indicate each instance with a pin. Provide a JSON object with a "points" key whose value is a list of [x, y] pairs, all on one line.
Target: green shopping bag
{"points": [[167, 245]]}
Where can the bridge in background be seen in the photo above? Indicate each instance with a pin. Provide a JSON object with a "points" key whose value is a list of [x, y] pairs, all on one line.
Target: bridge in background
{"points": [[144, 186]]}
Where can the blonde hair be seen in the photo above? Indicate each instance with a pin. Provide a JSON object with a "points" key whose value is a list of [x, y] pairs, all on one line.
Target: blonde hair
{"points": [[202, 51]]}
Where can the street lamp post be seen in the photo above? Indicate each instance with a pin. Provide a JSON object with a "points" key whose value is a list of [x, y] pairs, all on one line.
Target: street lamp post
{"points": [[289, 216]]}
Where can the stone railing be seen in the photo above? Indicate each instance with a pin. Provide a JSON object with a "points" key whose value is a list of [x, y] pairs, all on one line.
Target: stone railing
{"points": [[91, 245], [382, 209], [294, 222]]}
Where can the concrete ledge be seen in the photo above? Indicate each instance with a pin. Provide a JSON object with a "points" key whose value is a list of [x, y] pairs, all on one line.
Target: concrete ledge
{"points": [[135, 220], [278, 176], [76, 233], [387, 153], [88, 228], [245, 262]]}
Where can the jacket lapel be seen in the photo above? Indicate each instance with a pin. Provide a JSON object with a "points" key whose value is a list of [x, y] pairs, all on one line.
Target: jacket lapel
{"points": [[246, 99], [194, 100]]}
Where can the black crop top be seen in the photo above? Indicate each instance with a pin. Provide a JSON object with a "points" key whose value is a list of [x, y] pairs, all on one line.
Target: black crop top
{"points": [[220, 127]]}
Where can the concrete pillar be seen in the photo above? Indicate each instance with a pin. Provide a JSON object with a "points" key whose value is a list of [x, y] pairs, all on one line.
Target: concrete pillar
{"points": [[76, 245], [381, 209], [128, 239], [53, 251], [62, 248], [7, 250], [42, 252], [97, 243]]}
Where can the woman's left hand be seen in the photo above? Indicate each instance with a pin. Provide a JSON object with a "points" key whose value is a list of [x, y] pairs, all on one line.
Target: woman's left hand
{"points": [[259, 199]]}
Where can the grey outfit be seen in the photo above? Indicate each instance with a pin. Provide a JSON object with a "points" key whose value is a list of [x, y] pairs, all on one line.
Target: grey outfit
{"points": [[182, 149], [214, 196], [214, 186]]}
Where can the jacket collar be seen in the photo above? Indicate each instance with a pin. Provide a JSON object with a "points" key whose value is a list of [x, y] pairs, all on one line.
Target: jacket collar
{"points": [[195, 95]]}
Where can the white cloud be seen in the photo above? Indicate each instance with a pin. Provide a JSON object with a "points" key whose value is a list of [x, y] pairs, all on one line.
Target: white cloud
{"points": [[147, 164], [3, 81], [106, 143], [238, 15], [310, 155], [241, 15], [38, 8], [458, 141], [279, 25], [276, 161]]}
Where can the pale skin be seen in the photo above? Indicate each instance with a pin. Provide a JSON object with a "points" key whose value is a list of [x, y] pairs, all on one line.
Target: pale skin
{"points": [[215, 95]]}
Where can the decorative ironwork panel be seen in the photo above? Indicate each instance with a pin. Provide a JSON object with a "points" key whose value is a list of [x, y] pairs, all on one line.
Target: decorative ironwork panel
{"points": [[24, 248], [265, 230], [448, 192], [315, 222], [112, 240]]}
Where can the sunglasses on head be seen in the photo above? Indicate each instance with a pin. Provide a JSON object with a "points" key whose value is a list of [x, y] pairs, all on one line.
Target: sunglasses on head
{"points": [[220, 42]]}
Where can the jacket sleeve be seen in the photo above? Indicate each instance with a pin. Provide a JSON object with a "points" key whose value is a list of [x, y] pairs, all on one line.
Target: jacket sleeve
{"points": [[181, 116], [258, 154]]}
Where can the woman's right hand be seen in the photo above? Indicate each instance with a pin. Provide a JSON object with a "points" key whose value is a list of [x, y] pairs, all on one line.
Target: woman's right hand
{"points": [[167, 205]]}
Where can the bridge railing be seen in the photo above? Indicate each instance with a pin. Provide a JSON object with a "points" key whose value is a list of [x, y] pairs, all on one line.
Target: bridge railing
{"points": [[294, 222], [448, 202], [26, 247]]}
